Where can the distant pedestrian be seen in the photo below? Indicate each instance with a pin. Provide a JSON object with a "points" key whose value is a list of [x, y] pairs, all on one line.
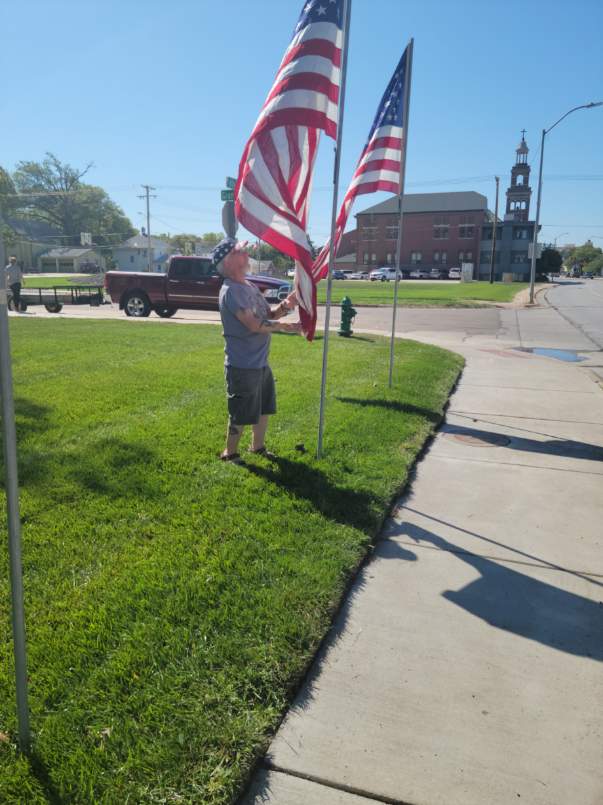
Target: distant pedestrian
{"points": [[14, 278], [248, 322]]}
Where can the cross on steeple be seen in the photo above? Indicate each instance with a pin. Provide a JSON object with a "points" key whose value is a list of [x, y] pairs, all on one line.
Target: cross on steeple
{"points": [[523, 134]]}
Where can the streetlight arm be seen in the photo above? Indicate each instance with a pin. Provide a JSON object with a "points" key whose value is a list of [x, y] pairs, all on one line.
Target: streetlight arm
{"points": [[582, 106]]}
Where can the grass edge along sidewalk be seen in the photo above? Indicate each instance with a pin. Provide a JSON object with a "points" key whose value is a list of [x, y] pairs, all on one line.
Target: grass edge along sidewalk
{"points": [[174, 602]]}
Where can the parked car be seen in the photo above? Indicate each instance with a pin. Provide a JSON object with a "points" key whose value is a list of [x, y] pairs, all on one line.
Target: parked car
{"points": [[358, 275], [420, 274], [190, 283], [438, 274], [291, 273], [384, 274], [339, 275], [454, 274], [588, 275]]}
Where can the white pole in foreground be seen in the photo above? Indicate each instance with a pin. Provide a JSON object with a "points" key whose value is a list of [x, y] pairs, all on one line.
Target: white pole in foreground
{"points": [[400, 202], [347, 9], [9, 438]]}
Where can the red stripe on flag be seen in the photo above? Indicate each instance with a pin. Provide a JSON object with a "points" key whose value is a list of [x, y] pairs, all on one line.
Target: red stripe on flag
{"points": [[295, 116], [274, 238], [313, 82], [378, 165], [313, 47]]}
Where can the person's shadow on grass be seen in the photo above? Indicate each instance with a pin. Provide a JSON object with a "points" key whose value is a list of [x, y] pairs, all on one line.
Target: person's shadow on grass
{"points": [[359, 509]]}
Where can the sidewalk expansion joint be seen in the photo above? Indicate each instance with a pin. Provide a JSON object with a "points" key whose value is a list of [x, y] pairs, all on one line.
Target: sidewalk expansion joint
{"points": [[516, 416], [347, 789], [516, 464], [543, 565]]}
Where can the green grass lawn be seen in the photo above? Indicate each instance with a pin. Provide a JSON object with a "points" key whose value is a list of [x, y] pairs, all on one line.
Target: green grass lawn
{"points": [[173, 601], [53, 282], [421, 294]]}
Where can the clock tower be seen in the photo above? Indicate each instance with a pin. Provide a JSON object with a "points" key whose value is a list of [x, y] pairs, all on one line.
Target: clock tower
{"points": [[519, 192]]}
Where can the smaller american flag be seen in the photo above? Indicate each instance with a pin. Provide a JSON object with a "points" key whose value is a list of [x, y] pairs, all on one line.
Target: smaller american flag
{"points": [[380, 163]]}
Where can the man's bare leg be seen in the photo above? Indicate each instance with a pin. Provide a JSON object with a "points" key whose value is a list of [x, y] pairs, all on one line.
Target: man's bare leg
{"points": [[259, 433], [233, 437]]}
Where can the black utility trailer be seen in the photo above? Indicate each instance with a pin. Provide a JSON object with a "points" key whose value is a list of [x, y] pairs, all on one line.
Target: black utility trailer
{"points": [[53, 299]]}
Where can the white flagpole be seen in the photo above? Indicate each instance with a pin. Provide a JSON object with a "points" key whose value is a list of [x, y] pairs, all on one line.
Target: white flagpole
{"points": [[11, 484], [347, 9], [400, 202]]}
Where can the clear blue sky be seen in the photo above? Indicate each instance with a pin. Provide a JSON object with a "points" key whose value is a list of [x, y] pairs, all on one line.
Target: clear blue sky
{"points": [[166, 93]]}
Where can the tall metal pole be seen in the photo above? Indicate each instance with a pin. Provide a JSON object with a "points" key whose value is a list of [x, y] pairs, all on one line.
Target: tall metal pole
{"points": [[407, 85], [494, 226], [347, 10], [147, 189], [536, 223], [590, 105], [12, 506]]}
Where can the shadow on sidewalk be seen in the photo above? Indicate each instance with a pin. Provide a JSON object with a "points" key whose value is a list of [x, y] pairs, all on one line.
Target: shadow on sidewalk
{"points": [[566, 448], [521, 604]]}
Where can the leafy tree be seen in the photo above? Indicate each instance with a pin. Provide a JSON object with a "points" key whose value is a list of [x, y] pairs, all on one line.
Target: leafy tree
{"points": [[583, 256], [595, 265], [56, 194], [549, 261]]}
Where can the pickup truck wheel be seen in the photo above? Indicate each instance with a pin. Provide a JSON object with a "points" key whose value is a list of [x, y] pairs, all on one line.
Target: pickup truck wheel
{"points": [[166, 312], [56, 307], [137, 304]]}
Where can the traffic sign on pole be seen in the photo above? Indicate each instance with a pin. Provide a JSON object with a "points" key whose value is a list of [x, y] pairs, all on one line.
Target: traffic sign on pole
{"points": [[227, 195], [231, 182]]}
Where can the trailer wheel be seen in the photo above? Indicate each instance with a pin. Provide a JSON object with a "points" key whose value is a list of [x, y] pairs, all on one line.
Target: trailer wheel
{"points": [[55, 307], [166, 312], [137, 304]]}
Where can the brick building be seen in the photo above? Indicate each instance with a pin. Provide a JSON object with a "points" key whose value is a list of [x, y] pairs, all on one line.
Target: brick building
{"points": [[439, 230]]}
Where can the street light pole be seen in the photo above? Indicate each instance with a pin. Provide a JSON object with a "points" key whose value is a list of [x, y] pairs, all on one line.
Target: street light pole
{"points": [[494, 225], [590, 105]]}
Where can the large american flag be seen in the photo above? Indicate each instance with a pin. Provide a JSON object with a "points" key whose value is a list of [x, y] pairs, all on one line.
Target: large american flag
{"points": [[380, 163], [275, 173]]}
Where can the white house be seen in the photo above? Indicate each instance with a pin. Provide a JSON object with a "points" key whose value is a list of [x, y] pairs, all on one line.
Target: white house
{"points": [[132, 255], [67, 260]]}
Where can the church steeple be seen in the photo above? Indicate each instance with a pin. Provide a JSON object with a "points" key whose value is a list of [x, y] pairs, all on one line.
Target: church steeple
{"points": [[519, 192]]}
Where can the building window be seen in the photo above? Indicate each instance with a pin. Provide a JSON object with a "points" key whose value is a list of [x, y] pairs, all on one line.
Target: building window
{"points": [[466, 231], [520, 233], [415, 257], [365, 258], [391, 232], [390, 259], [131, 258], [465, 257], [520, 257], [369, 233], [436, 257], [373, 258], [443, 258], [440, 233]]}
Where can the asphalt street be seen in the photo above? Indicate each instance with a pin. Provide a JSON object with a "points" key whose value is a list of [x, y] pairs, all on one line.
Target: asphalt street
{"points": [[581, 303]]}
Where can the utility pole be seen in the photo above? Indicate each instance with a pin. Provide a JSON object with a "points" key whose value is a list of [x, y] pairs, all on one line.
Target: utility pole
{"points": [[9, 438], [147, 188], [494, 225]]}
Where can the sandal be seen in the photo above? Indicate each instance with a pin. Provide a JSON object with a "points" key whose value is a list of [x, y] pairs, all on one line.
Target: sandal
{"points": [[262, 451], [234, 458]]}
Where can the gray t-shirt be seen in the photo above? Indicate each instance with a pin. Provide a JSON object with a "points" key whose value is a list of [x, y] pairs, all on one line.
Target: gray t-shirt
{"points": [[13, 274], [244, 349]]}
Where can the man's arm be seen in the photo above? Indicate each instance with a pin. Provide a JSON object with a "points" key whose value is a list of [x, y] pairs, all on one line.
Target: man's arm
{"points": [[257, 325]]}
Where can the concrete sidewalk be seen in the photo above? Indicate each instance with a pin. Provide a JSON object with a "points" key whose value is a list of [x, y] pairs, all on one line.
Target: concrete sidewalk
{"points": [[466, 665]]}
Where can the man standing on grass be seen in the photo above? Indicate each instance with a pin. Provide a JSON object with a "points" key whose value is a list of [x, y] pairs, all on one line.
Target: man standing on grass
{"points": [[14, 278], [248, 323]]}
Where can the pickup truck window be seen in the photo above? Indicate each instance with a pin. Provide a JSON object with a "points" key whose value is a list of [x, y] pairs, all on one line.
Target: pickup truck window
{"points": [[191, 269]]}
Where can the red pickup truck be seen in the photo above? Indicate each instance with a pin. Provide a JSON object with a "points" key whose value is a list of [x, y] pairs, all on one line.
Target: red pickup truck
{"points": [[190, 283]]}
